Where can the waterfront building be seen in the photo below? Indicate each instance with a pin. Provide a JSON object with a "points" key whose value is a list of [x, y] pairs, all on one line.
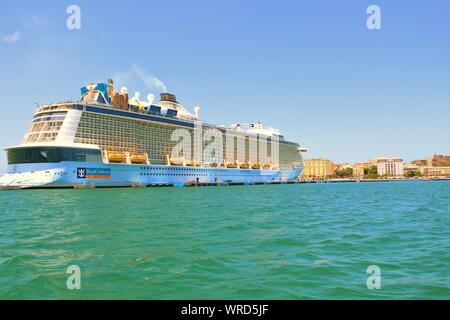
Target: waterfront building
{"points": [[435, 166], [437, 160], [410, 167], [435, 171], [371, 162], [419, 163], [319, 168], [358, 170], [342, 166], [389, 166]]}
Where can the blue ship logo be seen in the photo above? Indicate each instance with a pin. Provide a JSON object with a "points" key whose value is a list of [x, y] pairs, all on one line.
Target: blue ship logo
{"points": [[81, 173]]}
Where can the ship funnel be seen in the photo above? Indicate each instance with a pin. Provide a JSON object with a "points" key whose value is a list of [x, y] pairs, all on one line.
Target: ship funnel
{"points": [[169, 103], [168, 97]]}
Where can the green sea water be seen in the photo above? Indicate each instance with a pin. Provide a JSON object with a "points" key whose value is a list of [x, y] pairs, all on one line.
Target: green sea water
{"points": [[304, 241]]}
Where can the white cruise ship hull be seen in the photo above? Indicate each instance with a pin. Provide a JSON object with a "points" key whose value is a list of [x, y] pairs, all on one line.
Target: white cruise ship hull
{"points": [[94, 174]]}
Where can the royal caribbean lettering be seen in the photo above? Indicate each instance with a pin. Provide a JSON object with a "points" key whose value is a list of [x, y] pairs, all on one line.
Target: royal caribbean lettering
{"points": [[93, 173]]}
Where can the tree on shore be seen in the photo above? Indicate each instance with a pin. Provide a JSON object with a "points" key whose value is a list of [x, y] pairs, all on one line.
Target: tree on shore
{"points": [[413, 173], [344, 173], [371, 172]]}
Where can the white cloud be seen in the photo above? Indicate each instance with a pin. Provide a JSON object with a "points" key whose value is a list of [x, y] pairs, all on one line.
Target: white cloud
{"points": [[33, 22], [136, 72], [13, 37]]}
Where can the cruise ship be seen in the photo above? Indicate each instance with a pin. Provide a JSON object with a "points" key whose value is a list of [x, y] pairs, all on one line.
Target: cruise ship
{"points": [[108, 139]]}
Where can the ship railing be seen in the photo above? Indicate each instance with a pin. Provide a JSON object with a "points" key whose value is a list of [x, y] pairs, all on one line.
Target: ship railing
{"points": [[42, 107]]}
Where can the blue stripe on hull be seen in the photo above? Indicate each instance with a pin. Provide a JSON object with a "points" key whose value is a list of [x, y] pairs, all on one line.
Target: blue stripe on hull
{"points": [[126, 175]]}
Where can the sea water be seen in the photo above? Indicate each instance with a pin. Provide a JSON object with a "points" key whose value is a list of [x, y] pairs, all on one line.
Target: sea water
{"points": [[301, 241]]}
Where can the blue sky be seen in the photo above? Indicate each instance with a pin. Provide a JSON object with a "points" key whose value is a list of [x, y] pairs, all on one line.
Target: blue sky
{"points": [[310, 68]]}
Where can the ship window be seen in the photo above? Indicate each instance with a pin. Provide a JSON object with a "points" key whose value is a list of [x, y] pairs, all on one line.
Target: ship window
{"points": [[52, 155], [49, 118]]}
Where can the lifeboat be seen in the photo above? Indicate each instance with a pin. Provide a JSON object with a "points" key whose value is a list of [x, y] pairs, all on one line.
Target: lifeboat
{"points": [[245, 165], [266, 166], [175, 161], [256, 165], [193, 163], [115, 157], [231, 165], [138, 158], [213, 165]]}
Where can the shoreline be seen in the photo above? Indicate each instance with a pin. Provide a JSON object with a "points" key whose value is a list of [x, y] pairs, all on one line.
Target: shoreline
{"points": [[217, 184], [371, 180]]}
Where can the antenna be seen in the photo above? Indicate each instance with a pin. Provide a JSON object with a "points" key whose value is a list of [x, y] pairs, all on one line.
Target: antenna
{"points": [[196, 110], [150, 98]]}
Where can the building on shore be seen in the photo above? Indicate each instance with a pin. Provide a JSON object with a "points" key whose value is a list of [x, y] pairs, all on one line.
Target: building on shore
{"points": [[393, 167], [317, 169], [371, 162], [358, 170], [410, 167], [419, 163], [437, 160], [342, 166], [435, 171], [435, 166], [389, 166]]}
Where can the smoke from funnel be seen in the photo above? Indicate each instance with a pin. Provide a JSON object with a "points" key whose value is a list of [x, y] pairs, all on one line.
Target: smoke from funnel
{"points": [[136, 74], [149, 80]]}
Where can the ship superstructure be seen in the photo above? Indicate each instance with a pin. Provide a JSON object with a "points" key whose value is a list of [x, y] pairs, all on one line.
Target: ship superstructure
{"points": [[109, 139]]}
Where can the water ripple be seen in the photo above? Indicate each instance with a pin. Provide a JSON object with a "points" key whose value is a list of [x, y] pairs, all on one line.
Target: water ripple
{"points": [[276, 242]]}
